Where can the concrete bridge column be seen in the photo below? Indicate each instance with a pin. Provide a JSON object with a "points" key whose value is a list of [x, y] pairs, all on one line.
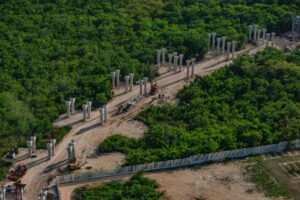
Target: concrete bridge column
{"points": [[250, 32], [68, 104], [255, 32], [209, 41], [105, 112], [89, 109], [158, 57], [117, 78], [141, 82], [228, 49], [131, 76], [180, 61], [170, 56], [49, 148], [53, 142], [213, 41], [163, 51], [272, 38], [113, 79], [176, 63], [145, 85], [267, 39], [33, 139], [126, 83], [29, 146], [223, 45], [84, 111], [218, 45], [264, 31], [193, 61], [188, 62], [233, 48], [73, 111]]}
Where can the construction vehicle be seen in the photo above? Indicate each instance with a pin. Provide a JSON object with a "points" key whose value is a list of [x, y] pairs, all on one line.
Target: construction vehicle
{"points": [[126, 106], [154, 88], [16, 173], [19, 190], [12, 153], [74, 165]]}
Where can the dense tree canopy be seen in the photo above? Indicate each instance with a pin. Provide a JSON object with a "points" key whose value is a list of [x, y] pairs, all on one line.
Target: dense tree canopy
{"points": [[51, 50], [255, 101]]}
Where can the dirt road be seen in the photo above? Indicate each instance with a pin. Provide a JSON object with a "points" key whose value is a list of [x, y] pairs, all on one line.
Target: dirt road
{"points": [[89, 134]]}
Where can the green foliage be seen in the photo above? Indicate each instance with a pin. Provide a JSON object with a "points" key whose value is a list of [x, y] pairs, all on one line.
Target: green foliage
{"points": [[264, 182], [254, 101], [138, 187], [53, 50]]}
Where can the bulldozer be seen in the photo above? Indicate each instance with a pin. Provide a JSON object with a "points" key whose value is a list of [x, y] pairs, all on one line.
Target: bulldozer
{"points": [[126, 106]]}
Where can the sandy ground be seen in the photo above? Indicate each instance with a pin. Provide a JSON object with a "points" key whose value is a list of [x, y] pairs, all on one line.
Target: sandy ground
{"points": [[87, 135], [213, 182]]}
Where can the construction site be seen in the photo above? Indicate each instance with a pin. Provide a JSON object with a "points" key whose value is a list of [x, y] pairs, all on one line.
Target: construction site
{"points": [[34, 172]]}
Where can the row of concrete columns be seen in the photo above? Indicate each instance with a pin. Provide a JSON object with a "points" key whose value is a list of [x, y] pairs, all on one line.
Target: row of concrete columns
{"points": [[143, 86], [175, 61], [231, 48], [161, 57], [103, 114], [216, 43], [71, 151], [190, 68], [255, 35], [115, 78], [70, 107]]}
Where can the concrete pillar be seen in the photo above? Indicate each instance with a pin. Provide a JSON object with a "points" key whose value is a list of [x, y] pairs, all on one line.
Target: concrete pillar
{"points": [[218, 46], [89, 109], [228, 49], [113, 79], [68, 104], [180, 61], [102, 115], [158, 57], [254, 31], [117, 78], [176, 63], [233, 48], [141, 82], [193, 61], [209, 41], [70, 151], [163, 52], [268, 39], [170, 56], [49, 148], [258, 35], [73, 149], [264, 31], [29, 145], [33, 139], [105, 112], [272, 38], [73, 111], [131, 76], [188, 63], [223, 45], [84, 111], [145, 85], [250, 32], [213, 41], [53, 142], [2, 193], [126, 83]]}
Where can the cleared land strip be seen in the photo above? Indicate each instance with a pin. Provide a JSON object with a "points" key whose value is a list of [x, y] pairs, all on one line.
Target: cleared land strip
{"points": [[87, 134]]}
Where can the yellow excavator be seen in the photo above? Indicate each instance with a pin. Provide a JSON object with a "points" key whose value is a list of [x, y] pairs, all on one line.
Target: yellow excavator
{"points": [[74, 165]]}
